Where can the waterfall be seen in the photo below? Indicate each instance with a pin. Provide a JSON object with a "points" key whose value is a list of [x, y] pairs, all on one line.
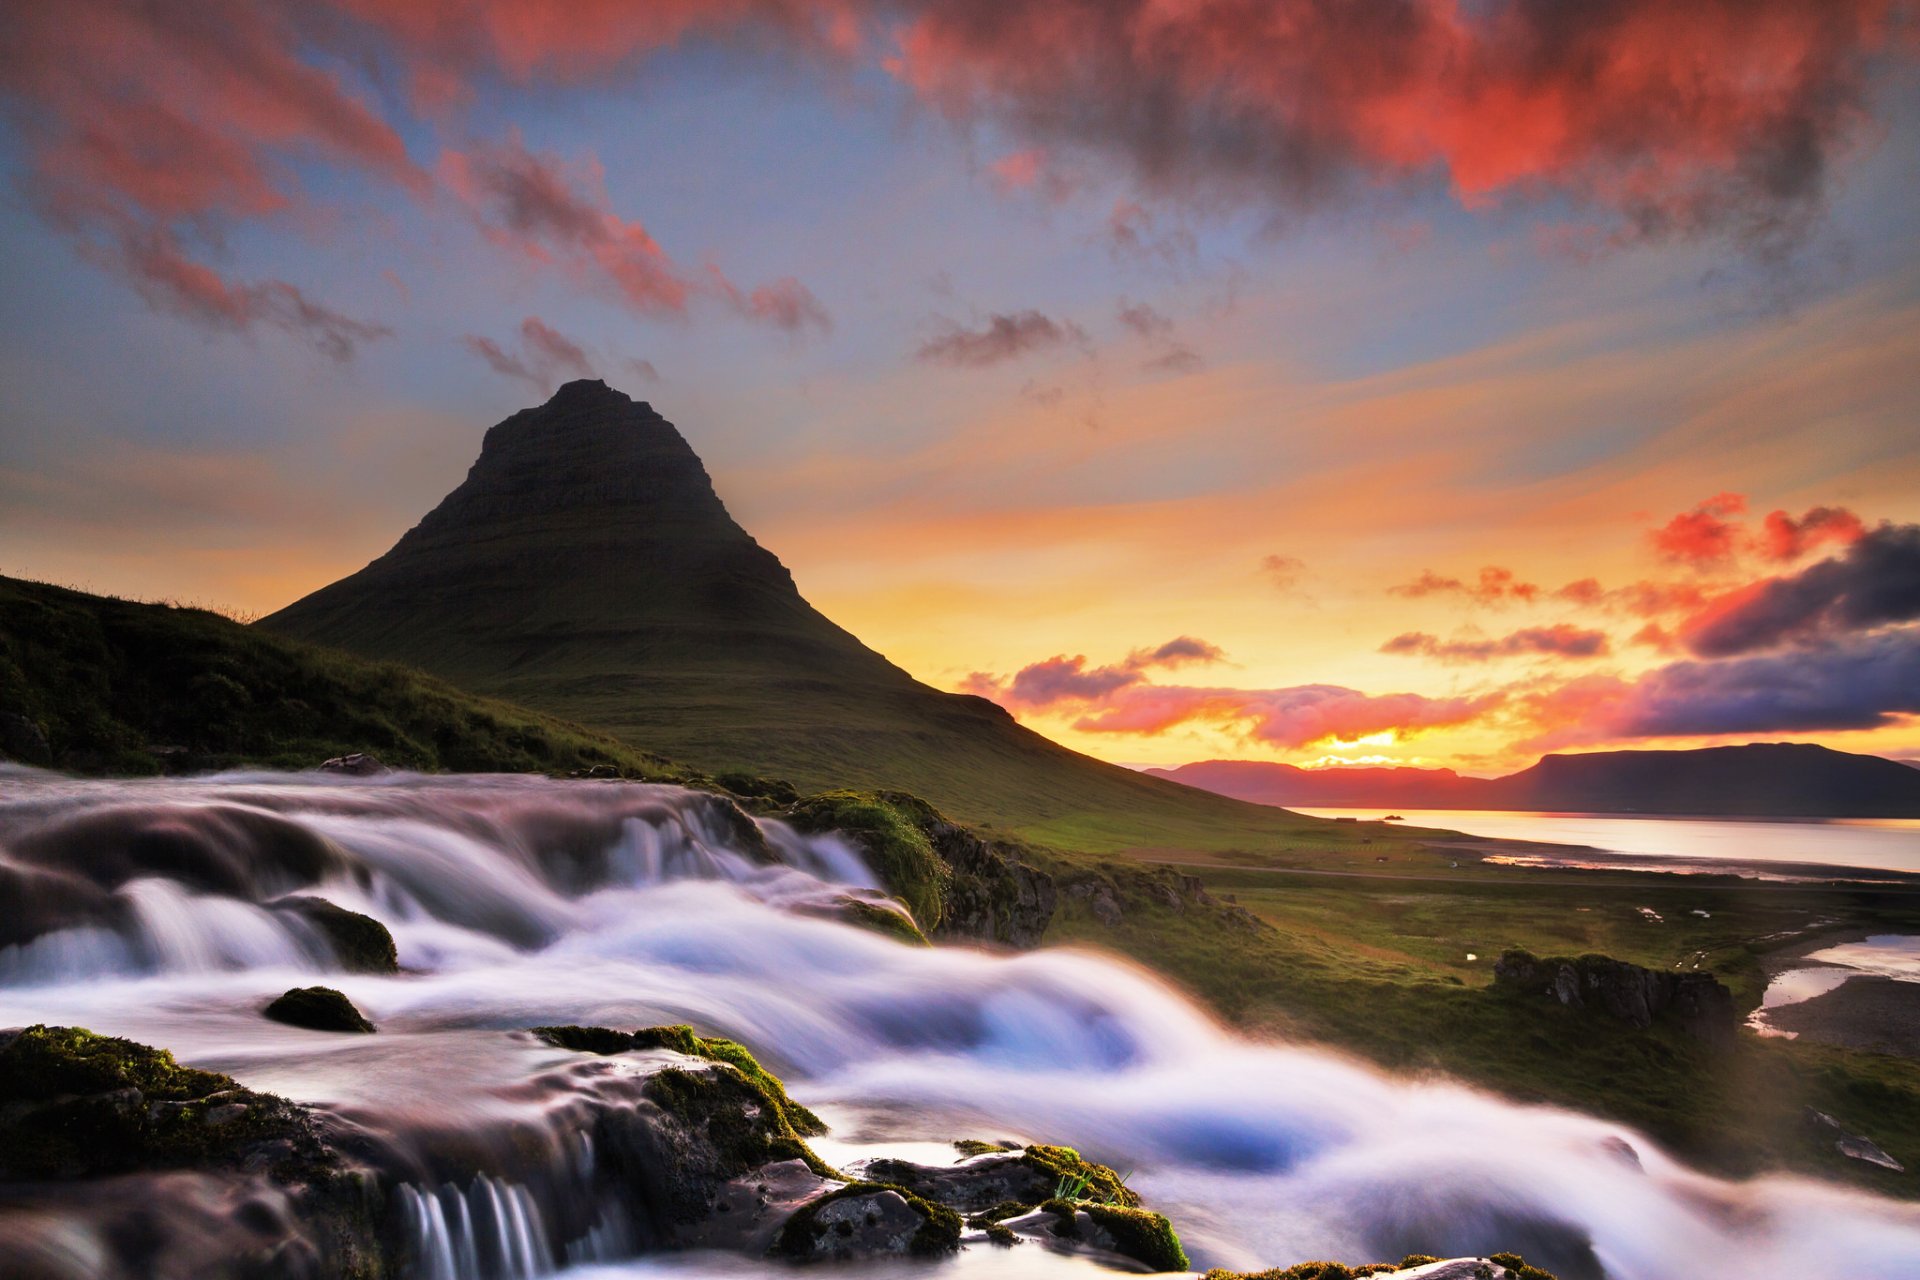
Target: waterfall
{"points": [[516, 902]]}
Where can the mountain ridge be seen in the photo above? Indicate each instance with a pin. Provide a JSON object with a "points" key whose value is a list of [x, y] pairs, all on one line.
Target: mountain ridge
{"points": [[1781, 779], [587, 568]]}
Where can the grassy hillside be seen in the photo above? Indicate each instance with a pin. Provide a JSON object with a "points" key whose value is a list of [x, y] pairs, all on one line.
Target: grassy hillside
{"points": [[113, 686], [586, 567]]}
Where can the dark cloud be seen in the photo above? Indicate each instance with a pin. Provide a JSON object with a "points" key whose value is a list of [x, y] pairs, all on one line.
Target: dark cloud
{"points": [[1144, 320], [1861, 682], [1875, 583], [1003, 337], [1134, 233], [1561, 641], [1176, 652]]}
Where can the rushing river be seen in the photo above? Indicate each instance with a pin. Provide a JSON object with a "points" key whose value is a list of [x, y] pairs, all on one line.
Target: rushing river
{"points": [[516, 902], [1691, 843]]}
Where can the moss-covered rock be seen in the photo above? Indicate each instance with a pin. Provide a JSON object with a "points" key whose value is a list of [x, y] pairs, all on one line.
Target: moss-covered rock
{"points": [[361, 943], [318, 1009], [1501, 1266], [75, 1105], [1141, 1234], [1078, 1179], [680, 1038], [871, 915], [865, 1220]]}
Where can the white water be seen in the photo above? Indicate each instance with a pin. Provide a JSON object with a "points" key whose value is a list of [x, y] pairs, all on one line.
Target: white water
{"points": [[518, 902], [1689, 843]]}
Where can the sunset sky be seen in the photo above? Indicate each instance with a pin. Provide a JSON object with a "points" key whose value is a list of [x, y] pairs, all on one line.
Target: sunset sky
{"points": [[1424, 381]]}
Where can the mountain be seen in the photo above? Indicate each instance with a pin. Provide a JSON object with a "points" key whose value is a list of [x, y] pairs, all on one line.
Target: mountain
{"points": [[1778, 779], [587, 568]]}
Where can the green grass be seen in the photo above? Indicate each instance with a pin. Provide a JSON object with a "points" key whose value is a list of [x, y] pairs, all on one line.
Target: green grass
{"points": [[1378, 969], [128, 688]]}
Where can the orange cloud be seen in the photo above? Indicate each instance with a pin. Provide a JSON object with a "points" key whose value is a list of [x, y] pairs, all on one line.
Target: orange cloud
{"points": [[1784, 538], [1704, 535], [1494, 586]]}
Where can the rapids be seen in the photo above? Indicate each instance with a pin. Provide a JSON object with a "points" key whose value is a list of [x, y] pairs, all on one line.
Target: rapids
{"points": [[519, 901]]}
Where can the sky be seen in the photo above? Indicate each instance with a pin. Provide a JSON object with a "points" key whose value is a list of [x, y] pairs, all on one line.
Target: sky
{"points": [[1431, 382]]}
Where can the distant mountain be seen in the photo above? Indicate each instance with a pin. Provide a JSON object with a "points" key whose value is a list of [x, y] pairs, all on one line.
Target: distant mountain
{"points": [[1779, 779], [587, 568]]}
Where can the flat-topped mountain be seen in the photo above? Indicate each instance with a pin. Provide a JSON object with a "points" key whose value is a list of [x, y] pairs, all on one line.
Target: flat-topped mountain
{"points": [[587, 568], [1777, 779]]}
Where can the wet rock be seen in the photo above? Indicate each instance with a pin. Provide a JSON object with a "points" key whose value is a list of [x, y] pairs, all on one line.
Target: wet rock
{"points": [[318, 1009], [1851, 1145], [359, 764], [361, 943], [1697, 1002], [1138, 1235], [24, 740], [971, 1186], [868, 1220]]}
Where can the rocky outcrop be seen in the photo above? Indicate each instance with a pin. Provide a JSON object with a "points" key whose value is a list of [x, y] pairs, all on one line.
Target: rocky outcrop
{"points": [[1697, 1002], [318, 1009], [1115, 892], [958, 885]]}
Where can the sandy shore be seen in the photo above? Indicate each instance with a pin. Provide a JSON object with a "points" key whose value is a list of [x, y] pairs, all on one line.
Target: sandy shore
{"points": [[1868, 1012]]}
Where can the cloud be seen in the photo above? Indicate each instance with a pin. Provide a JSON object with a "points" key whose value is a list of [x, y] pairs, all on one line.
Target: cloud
{"points": [[1495, 585], [1156, 328], [1133, 233], [1283, 572], [1029, 170], [1143, 319], [1069, 679], [149, 129], [1176, 652], [1784, 538], [1704, 535], [1560, 640], [1004, 337], [1722, 117], [546, 358], [1292, 717], [784, 303], [1874, 584], [1859, 682], [642, 369]]}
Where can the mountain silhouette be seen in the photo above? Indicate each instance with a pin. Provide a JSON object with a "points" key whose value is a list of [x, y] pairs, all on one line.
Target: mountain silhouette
{"points": [[586, 567]]}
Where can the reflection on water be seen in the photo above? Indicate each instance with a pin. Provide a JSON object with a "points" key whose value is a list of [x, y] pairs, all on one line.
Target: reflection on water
{"points": [[1887, 955], [1881, 844]]}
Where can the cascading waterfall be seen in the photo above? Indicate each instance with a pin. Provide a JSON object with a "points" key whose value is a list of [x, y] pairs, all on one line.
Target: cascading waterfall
{"points": [[517, 902]]}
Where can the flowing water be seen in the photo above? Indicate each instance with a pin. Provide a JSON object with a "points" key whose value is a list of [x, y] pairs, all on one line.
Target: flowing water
{"points": [[517, 902]]}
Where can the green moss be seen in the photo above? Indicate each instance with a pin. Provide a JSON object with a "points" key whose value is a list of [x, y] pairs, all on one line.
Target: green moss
{"points": [[871, 915], [318, 1009], [977, 1147], [939, 1231], [999, 1212], [1518, 1269], [1087, 1180], [680, 1038], [888, 827], [745, 1127], [1140, 1234], [361, 943], [1005, 1237]]}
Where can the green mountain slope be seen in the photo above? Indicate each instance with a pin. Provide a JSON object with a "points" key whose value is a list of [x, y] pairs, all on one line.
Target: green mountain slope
{"points": [[91, 684], [586, 567]]}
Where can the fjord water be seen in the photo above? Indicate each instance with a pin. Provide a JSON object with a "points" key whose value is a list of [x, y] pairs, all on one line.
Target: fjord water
{"points": [[1685, 843], [517, 902]]}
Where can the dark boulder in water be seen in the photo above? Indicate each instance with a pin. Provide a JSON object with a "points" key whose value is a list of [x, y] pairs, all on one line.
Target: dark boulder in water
{"points": [[869, 1220], [318, 1009], [361, 943], [356, 764]]}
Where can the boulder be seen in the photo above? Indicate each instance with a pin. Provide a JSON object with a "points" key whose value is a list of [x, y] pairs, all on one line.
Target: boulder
{"points": [[360, 943], [318, 1009], [24, 740]]}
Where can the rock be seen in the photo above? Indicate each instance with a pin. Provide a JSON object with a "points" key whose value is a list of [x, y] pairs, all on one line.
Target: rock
{"points": [[1850, 1145], [361, 943], [868, 1220], [1697, 1002], [24, 740], [971, 1186], [359, 764], [318, 1009]]}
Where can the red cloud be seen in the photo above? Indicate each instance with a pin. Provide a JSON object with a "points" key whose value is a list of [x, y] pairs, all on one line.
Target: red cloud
{"points": [[1721, 113], [548, 354], [1293, 717], [1784, 538], [1494, 586], [1703, 535]]}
